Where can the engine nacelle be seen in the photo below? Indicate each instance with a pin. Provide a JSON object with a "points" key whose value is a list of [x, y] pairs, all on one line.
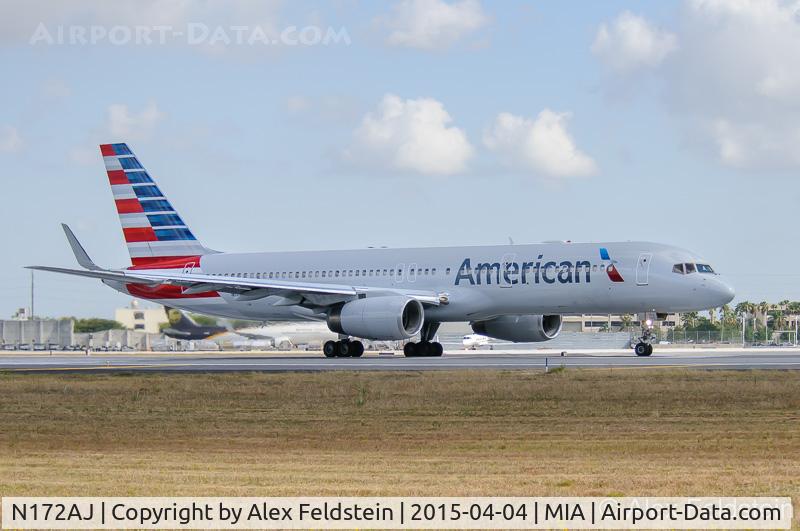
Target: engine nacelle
{"points": [[520, 328], [392, 317]]}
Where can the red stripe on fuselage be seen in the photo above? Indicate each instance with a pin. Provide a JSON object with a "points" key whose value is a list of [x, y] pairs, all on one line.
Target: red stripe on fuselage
{"points": [[128, 206], [165, 292], [139, 234], [165, 262], [117, 177]]}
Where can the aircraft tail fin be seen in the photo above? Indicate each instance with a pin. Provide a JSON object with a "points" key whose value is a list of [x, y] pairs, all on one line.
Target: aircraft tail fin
{"points": [[156, 235]]}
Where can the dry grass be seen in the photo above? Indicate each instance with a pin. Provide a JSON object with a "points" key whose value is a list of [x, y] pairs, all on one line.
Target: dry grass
{"points": [[433, 433]]}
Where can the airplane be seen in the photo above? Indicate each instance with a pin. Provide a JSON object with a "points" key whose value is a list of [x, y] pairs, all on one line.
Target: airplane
{"points": [[511, 292], [182, 326], [473, 341], [279, 335]]}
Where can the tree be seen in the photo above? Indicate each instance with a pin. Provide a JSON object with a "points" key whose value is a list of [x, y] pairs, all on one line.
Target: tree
{"points": [[95, 324], [744, 309], [778, 320], [689, 319], [728, 316], [763, 309], [627, 321]]}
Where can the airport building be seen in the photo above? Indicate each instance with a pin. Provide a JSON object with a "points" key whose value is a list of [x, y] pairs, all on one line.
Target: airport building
{"points": [[36, 333], [147, 320], [612, 323]]}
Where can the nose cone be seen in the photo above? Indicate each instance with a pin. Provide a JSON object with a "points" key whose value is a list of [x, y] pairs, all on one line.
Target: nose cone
{"points": [[721, 292]]}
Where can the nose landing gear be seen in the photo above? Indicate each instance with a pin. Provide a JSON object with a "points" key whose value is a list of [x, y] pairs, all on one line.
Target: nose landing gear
{"points": [[644, 346], [643, 349]]}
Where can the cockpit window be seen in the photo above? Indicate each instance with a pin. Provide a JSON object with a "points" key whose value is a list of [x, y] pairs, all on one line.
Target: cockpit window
{"points": [[678, 268], [704, 268], [689, 268]]}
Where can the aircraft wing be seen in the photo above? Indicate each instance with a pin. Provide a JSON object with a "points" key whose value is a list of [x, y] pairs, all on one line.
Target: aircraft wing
{"points": [[309, 294], [315, 294]]}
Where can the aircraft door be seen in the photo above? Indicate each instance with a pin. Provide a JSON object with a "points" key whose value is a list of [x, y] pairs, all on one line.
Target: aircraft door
{"points": [[643, 268]]}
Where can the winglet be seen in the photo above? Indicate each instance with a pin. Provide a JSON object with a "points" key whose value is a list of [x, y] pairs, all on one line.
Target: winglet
{"points": [[80, 253]]}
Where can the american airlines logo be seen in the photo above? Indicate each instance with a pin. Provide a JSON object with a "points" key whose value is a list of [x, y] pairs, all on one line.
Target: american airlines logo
{"points": [[510, 273]]}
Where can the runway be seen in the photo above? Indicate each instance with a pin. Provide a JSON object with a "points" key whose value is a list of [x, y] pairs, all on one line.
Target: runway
{"points": [[481, 360]]}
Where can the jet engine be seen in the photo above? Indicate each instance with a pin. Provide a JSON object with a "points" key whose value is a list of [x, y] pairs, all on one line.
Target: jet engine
{"points": [[393, 317], [520, 328]]}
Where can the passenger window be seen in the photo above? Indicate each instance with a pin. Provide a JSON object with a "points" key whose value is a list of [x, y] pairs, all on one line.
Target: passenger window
{"points": [[433, 271], [690, 268], [678, 268], [323, 274], [357, 272], [426, 270], [447, 271]]}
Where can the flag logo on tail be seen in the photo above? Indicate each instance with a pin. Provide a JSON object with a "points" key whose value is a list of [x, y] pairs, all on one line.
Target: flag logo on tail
{"points": [[155, 233]]}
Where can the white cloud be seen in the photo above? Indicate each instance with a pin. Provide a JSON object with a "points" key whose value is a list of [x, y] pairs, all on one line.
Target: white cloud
{"points": [[631, 42], [124, 124], [543, 146], [410, 135], [736, 80], [10, 141], [433, 24]]}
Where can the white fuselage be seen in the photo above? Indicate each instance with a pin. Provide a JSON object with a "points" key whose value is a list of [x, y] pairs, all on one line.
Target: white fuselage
{"points": [[474, 283]]}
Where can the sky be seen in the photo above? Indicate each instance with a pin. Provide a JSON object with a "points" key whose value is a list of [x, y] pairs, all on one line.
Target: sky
{"points": [[345, 124]]}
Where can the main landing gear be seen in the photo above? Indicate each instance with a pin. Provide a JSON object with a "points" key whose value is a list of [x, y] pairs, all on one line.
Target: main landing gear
{"points": [[343, 349], [426, 347]]}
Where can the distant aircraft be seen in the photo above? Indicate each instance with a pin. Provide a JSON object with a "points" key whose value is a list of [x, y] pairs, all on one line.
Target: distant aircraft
{"points": [[511, 292], [279, 335], [473, 341], [182, 326]]}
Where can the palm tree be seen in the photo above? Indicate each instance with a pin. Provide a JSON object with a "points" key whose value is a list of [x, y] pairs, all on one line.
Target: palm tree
{"points": [[763, 309], [689, 319], [626, 320], [728, 315], [778, 320], [744, 308]]}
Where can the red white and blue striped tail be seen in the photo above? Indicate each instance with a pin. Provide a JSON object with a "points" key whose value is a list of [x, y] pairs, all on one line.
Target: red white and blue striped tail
{"points": [[156, 235]]}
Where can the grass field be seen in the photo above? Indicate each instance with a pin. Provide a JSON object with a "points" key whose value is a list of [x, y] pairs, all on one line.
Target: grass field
{"points": [[621, 432]]}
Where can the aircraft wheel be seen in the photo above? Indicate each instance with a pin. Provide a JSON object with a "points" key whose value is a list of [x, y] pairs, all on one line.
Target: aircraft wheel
{"points": [[641, 349], [411, 350], [649, 349], [345, 349], [356, 349], [330, 349], [437, 349]]}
